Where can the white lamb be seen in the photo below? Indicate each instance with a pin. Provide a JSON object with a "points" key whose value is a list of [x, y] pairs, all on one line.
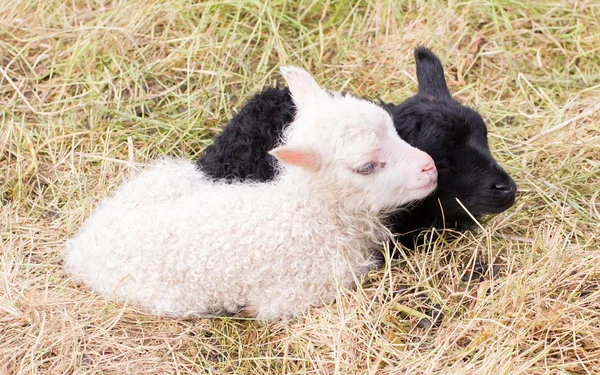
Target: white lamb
{"points": [[175, 243]]}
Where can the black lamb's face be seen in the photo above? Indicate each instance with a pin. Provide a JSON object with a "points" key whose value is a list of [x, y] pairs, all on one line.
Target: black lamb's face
{"points": [[455, 137]]}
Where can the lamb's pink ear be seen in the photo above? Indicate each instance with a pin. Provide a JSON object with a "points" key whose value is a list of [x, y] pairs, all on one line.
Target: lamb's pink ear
{"points": [[303, 86], [298, 157]]}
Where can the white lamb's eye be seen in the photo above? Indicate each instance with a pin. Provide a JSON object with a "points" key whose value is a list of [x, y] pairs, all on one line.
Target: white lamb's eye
{"points": [[366, 169]]}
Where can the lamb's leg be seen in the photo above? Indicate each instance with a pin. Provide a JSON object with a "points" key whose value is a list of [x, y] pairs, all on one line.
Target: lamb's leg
{"points": [[480, 271]]}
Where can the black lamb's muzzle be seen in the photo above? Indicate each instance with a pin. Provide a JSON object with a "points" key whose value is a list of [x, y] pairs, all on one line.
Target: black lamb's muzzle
{"points": [[501, 197], [495, 199], [489, 194], [501, 192]]}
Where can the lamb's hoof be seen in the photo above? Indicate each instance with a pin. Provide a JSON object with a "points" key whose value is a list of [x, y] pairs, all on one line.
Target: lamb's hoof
{"points": [[435, 318], [590, 288], [246, 313], [480, 271], [432, 317]]}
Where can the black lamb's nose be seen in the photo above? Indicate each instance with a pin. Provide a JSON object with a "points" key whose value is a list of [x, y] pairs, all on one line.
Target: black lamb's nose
{"points": [[503, 186], [508, 188]]}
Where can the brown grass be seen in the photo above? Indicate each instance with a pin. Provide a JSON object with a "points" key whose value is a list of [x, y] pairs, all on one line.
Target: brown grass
{"points": [[90, 89]]}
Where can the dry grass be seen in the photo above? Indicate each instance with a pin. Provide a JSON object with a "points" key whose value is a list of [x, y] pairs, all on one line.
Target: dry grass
{"points": [[88, 89]]}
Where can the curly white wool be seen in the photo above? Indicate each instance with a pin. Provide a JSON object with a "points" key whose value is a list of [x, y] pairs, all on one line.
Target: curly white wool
{"points": [[175, 243], [189, 256]]}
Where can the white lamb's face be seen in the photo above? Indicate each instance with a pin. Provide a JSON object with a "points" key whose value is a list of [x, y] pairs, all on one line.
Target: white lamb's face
{"points": [[372, 161], [353, 144]]}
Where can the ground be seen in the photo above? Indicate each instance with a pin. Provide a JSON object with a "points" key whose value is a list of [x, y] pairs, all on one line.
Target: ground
{"points": [[90, 90]]}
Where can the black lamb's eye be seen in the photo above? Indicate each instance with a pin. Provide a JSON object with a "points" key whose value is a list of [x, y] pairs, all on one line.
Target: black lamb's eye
{"points": [[366, 169]]}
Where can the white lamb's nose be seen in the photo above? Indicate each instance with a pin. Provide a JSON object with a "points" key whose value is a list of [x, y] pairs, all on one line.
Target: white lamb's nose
{"points": [[429, 167]]}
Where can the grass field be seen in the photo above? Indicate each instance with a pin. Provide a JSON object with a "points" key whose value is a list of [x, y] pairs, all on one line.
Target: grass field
{"points": [[91, 89]]}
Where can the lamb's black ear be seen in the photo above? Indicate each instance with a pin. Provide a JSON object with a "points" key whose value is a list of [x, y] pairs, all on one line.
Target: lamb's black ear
{"points": [[430, 73]]}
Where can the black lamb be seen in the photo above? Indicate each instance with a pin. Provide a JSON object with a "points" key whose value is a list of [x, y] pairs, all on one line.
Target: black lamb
{"points": [[454, 135]]}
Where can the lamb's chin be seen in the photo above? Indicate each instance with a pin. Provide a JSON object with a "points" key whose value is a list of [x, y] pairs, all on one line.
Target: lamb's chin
{"points": [[406, 198], [492, 208], [420, 192]]}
